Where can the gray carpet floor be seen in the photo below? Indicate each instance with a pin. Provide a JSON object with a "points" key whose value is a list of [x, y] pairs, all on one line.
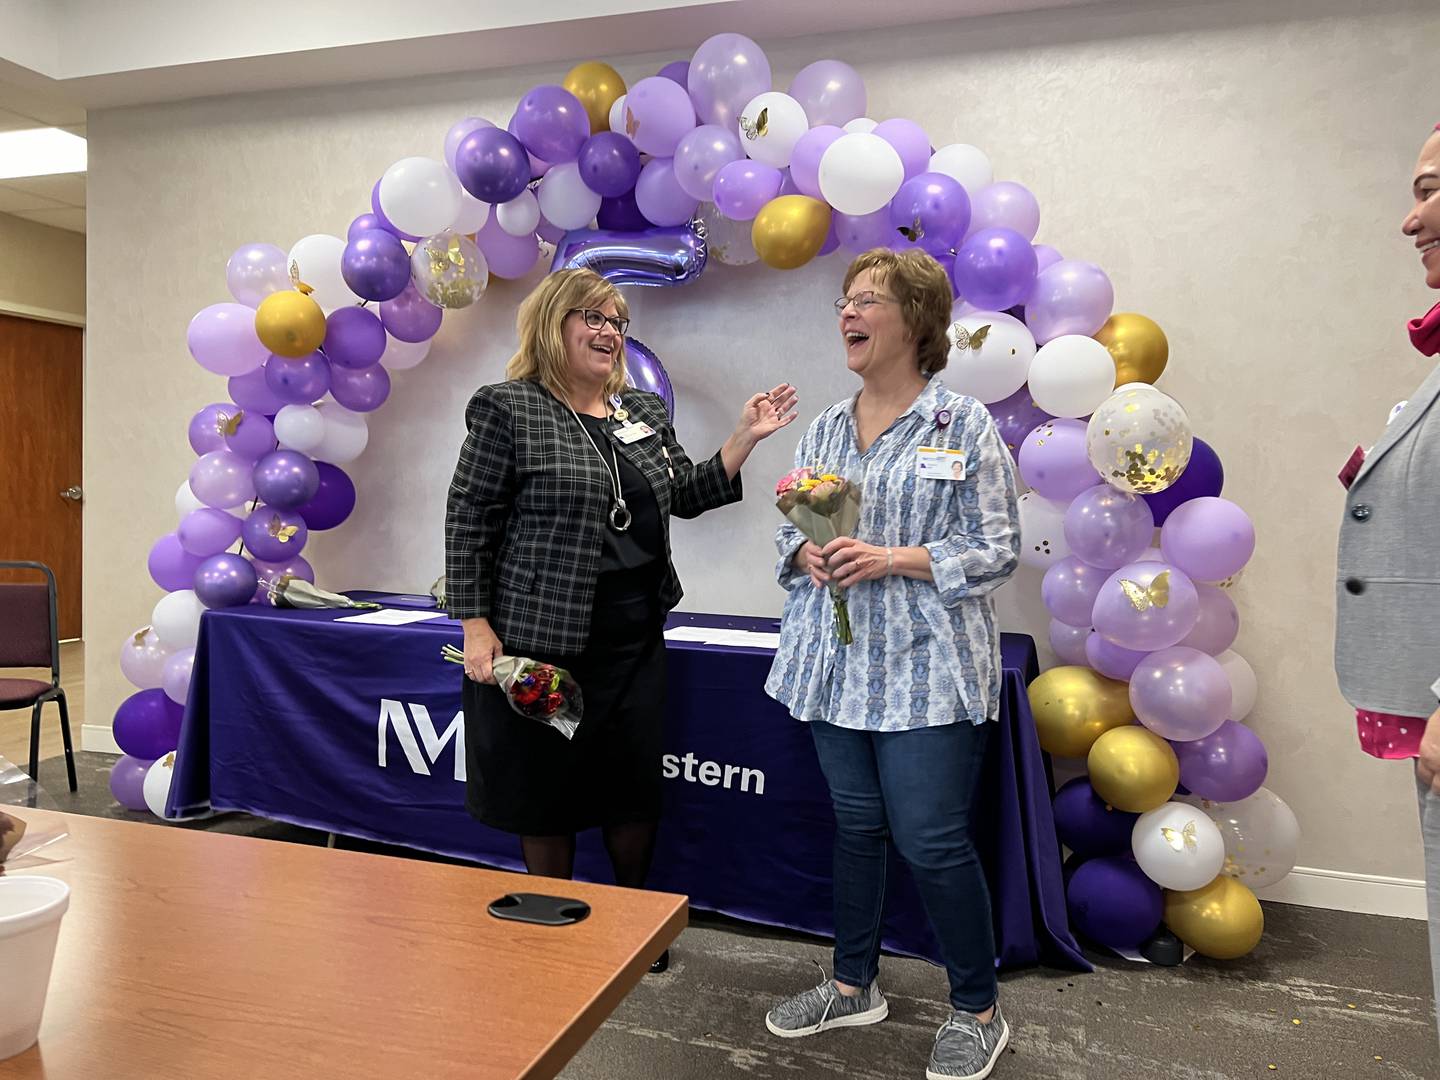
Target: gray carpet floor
{"points": [[1357, 985]]}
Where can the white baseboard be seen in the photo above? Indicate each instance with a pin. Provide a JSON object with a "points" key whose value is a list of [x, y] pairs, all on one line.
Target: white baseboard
{"points": [[1340, 890], [98, 738]]}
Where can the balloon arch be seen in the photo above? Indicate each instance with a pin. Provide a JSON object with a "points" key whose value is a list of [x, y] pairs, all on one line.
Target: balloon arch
{"points": [[706, 160]]}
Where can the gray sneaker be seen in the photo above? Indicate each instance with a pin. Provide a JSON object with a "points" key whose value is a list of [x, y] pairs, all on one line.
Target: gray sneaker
{"points": [[966, 1049], [825, 1007]]}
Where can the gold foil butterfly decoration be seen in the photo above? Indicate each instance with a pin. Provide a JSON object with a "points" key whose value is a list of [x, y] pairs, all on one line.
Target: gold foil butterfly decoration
{"points": [[1144, 598], [760, 126], [1181, 839], [227, 424], [913, 232], [140, 635], [969, 339], [295, 279], [632, 126], [280, 531]]}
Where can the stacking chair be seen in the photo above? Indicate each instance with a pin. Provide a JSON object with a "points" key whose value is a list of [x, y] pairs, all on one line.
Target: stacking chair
{"points": [[30, 637]]}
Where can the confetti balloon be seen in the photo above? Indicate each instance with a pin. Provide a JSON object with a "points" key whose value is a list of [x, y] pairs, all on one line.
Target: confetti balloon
{"points": [[449, 270], [1139, 439], [1262, 836]]}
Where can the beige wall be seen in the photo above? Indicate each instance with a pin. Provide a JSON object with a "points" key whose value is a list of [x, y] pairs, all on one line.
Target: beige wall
{"points": [[1241, 176], [42, 270]]}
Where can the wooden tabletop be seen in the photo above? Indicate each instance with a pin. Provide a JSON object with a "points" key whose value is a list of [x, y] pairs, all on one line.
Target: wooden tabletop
{"points": [[196, 955]]}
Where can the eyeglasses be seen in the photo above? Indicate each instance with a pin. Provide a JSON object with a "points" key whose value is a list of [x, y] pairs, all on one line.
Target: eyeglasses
{"points": [[597, 319], [862, 302]]}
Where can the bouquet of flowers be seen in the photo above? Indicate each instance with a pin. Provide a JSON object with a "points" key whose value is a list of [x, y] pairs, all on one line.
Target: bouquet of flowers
{"points": [[824, 506], [535, 690], [292, 592]]}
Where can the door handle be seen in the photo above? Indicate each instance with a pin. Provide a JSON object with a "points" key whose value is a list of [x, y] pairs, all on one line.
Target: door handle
{"points": [[73, 493]]}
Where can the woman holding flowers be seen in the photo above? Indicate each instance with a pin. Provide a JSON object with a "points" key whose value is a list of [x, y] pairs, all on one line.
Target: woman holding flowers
{"points": [[557, 548], [901, 716]]}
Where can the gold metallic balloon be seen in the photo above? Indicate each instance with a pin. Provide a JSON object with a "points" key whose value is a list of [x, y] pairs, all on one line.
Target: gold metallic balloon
{"points": [[1133, 769], [790, 231], [1223, 920], [289, 323], [1138, 346], [1074, 706], [598, 86]]}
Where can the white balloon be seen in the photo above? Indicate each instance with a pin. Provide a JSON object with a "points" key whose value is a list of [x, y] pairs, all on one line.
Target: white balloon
{"points": [[346, 434], [565, 200], [185, 500], [1262, 837], [617, 116], [317, 257], [860, 173], [520, 216], [157, 784], [785, 122], [142, 659], [1072, 376], [965, 163], [176, 619], [1042, 531], [473, 214], [1244, 688], [420, 195], [404, 355], [1178, 846], [861, 125], [300, 427], [999, 365]]}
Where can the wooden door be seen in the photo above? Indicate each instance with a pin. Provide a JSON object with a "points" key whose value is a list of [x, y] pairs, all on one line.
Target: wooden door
{"points": [[41, 410]]}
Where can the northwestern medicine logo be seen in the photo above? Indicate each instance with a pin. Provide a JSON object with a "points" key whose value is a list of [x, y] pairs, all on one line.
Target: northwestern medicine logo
{"points": [[415, 733]]}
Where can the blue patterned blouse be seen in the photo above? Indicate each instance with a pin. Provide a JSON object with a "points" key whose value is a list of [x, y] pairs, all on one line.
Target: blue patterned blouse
{"points": [[925, 653]]}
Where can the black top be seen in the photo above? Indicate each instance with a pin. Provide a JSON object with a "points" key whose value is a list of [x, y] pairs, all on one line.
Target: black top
{"points": [[644, 541]]}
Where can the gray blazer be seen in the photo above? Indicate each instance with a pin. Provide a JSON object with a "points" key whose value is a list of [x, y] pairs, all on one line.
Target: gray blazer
{"points": [[1387, 585]]}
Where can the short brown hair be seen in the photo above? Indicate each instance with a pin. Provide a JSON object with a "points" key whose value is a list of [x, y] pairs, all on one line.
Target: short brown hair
{"points": [[541, 357], [922, 289]]}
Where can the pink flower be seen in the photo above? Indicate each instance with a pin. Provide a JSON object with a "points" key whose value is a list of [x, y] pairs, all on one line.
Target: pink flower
{"points": [[792, 478]]}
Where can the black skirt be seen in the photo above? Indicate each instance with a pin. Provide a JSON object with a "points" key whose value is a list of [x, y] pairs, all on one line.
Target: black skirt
{"points": [[525, 777]]}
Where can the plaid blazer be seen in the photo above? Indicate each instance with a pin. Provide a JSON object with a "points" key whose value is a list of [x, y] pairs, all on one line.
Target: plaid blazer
{"points": [[529, 500]]}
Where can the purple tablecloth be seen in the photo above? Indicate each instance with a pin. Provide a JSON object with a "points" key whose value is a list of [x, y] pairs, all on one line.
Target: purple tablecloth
{"points": [[357, 729]]}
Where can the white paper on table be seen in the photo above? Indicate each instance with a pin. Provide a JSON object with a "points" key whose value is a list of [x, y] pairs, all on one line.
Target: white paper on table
{"points": [[689, 633], [391, 617], [746, 639]]}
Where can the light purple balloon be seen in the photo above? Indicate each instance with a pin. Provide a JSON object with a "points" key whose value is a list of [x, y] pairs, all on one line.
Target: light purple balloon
{"points": [[267, 572], [1045, 257], [456, 135], [830, 92], [662, 114], [178, 668], [1219, 622], [1068, 642], [742, 188], [221, 479], [551, 123], [938, 205], [1054, 462], [676, 71], [1132, 611], [861, 232], [805, 158], [995, 268], [384, 222], [699, 155], [1110, 659], [1180, 693], [354, 337], [250, 391], [726, 73], [1227, 765], [1006, 205], [1107, 527], [297, 380], [255, 271], [508, 256], [375, 265], [254, 436], [1016, 417], [225, 580], [659, 195], [286, 479], [204, 431], [410, 317], [360, 391], [170, 565], [1071, 297], [222, 339], [267, 536], [1069, 589], [127, 782], [1209, 538], [207, 532], [910, 142]]}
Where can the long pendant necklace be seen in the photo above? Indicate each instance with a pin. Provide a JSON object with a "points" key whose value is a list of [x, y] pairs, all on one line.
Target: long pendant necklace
{"points": [[619, 513]]}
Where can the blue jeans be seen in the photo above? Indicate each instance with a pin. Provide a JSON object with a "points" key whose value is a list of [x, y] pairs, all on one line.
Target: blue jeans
{"points": [[915, 788]]}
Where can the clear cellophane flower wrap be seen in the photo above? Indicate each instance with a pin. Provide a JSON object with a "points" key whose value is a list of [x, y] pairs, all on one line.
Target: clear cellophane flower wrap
{"points": [[19, 838], [824, 506], [534, 689]]}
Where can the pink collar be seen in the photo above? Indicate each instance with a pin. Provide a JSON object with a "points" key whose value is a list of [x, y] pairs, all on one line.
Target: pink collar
{"points": [[1425, 332]]}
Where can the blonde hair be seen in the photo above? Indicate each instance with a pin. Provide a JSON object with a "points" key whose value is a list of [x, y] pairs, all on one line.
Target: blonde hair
{"points": [[541, 355], [922, 289]]}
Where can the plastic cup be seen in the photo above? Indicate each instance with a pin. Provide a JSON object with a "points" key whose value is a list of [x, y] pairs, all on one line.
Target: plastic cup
{"points": [[30, 912]]}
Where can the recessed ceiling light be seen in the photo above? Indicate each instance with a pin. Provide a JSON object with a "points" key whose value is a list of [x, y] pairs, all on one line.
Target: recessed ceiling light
{"points": [[40, 152]]}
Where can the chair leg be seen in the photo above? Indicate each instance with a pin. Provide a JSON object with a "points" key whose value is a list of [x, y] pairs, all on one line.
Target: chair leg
{"points": [[35, 742], [65, 735]]}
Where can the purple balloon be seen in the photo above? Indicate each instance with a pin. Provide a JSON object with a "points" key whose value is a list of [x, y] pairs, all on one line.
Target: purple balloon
{"points": [[910, 142], [250, 391], [508, 256], [1068, 642], [1107, 527], [1112, 902], [805, 158], [862, 232], [659, 195], [255, 271], [551, 124], [270, 572], [620, 214], [375, 265], [1016, 417], [656, 257], [360, 391], [1087, 825], [222, 339], [676, 71], [333, 500], [221, 479], [830, 92], [253, 437], [699, 157], [1203, 478], [995, 268], [1006, 205], [1071, 297], [492, 165], [286, 479], [354, 338], [1227, 765], [1218, 625], [936, 205], [170, 565], [175, 680], [147, 724], [726, 73], [742, 188], [1054, 462], [410, 317], [384, 222], [1110, 659], [832, 241], [1181, 694], [207, 532], [457, 133], [645, 372], [365, 223], [205, 427], [1136, 612], [127, 782], [225, 580], [609, 163], [1046, 257], [298, 380], [1069, 589], [1209, 538], [658, 114], [268, 536]]}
